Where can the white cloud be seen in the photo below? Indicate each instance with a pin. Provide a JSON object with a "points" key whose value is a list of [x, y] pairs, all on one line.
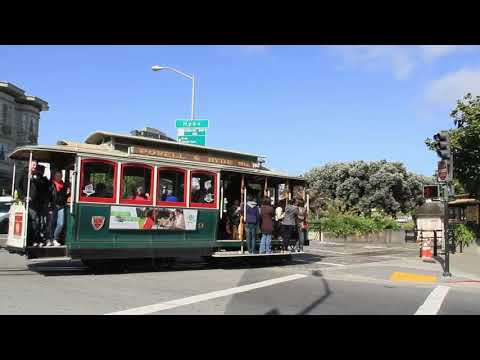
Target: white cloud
{"points": [[371, 57], [453, 86], [400, 60], [433, 52]]}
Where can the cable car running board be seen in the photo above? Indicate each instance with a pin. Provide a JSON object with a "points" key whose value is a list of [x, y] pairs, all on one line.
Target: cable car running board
{"points": [[223, 254]]}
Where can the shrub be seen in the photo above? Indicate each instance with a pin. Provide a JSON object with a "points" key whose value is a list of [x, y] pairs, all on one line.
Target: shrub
{"points": [[343, 225], [408, 226], [463, 235]]}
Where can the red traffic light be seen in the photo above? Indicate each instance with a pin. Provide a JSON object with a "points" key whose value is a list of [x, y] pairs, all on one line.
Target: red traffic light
{"points": [[431, 192]]}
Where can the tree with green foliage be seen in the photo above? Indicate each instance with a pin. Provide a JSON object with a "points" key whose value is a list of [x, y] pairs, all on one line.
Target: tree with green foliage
{"points": [[363, 186], [465, 144], [463, 235]]}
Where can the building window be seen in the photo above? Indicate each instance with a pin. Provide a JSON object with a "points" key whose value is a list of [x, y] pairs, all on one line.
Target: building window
{"points": [[136, 184], [4, 150], [203, 187], [5, 120], [171, 187], [97, 181]]}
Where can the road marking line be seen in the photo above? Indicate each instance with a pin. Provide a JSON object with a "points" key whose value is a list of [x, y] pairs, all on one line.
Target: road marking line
{"points": [[434, 301], [333, 252], [328, 263], [149, 309]]}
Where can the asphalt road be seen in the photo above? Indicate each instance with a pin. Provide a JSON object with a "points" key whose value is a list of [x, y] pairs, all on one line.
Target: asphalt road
{"points": [[326, 280]]}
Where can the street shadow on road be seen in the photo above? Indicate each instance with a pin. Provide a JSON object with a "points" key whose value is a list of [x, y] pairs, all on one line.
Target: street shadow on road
{"points": [[76, 268], [314, 304]]}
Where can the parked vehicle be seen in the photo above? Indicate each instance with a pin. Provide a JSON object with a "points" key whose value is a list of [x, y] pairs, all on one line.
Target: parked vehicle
{"points": [[5, 203]]}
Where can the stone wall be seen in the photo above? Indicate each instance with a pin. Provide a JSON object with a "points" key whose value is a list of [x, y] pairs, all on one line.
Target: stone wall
{"points": [[381, 237]]}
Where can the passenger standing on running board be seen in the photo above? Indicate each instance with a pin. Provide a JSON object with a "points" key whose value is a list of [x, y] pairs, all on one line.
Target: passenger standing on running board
{"points": [[38, 205], [289, 224], [301, 224], [279, 213], [266, 212], [59, 192], [253, 219]]}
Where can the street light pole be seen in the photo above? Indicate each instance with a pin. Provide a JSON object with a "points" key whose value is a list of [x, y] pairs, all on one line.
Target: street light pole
{"points": [[193, 97], [191, 77]]}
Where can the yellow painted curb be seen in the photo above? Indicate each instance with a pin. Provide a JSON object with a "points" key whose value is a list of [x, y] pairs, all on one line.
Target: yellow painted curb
{"points": [[400, 276]]}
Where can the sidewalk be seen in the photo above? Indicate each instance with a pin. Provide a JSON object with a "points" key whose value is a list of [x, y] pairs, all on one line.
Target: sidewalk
{"points": [[467, 262]]}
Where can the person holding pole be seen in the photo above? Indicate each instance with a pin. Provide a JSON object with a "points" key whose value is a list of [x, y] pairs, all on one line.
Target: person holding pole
{"points": [[289, 224], [252, 217], [266, 226], [301, 224]]}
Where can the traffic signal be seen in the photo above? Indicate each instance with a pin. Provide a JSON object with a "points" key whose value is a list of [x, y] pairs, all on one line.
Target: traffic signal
{"points": [[442, 146], [431, 192]]}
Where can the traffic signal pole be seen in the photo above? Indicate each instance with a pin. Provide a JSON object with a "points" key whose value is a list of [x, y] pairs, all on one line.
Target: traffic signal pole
{"points": [[445, 175], [446, 268]]}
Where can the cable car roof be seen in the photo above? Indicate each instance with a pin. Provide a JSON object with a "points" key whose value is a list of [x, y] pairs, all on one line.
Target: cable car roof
{"points": [[53, 154], [99, 136]]}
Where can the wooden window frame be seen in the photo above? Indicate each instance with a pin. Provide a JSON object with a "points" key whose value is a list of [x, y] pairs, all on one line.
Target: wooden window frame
{"points": [[214, 204], [185, 188], [131, 201], [84, 198]]}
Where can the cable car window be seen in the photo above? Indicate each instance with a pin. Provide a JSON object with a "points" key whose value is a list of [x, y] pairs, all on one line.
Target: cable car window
{"points": [[203, 189], [98, 180], [136, 184], [171, 186]]}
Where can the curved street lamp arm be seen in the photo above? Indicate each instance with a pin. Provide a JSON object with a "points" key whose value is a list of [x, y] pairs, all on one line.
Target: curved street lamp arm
{"points": [[179, 72]]}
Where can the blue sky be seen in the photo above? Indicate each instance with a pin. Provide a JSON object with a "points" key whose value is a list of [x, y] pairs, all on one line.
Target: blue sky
{"points": [[301, 106]]}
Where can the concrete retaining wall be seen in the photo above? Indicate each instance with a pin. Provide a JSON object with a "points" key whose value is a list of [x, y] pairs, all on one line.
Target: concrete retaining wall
{"points": [[382, 237]]}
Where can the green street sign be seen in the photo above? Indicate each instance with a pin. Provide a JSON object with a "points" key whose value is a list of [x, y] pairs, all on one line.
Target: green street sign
{"points": [[191, 123], [194, 140], [191, 132]]}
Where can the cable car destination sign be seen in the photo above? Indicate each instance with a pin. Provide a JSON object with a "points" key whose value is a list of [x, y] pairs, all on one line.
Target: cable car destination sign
{"points": [[189, 156]]}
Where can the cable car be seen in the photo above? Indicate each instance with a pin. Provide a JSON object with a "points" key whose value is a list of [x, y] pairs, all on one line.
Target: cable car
{"points": [[135, 197]]}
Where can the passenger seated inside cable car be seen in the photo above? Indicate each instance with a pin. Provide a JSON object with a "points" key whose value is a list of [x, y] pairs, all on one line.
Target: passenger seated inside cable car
{"points": [[202, 189], [140, 194], [168, 196]]}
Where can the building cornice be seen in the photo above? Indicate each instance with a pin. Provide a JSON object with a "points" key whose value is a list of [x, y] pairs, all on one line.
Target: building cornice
{"points": [[21, 98]]}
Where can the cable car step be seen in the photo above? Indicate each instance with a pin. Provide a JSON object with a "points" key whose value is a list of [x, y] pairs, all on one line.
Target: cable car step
{"points": [[46, 252]]}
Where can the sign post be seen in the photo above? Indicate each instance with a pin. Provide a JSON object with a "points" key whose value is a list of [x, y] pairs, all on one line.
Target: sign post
{"points": [[442, 173], [192, 131]]}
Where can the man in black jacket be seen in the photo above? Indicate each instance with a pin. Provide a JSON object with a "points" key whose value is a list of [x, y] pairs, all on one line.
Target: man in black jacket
{"points": [[38, 205]]}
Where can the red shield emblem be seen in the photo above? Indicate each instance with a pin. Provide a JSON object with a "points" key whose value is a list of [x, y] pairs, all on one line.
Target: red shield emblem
{"points": [[97, 222]]}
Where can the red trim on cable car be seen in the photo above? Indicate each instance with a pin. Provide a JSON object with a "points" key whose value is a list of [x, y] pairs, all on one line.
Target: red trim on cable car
{"points": [[173, 203], [132, 201], [82, 184], [213, 205]]}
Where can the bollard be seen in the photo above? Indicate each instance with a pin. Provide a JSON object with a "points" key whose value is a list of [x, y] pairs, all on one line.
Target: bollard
{"points": [[435, 242]]}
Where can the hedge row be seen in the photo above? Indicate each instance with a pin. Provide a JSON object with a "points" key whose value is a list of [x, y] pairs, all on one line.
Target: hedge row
{"points": [[344, 225]]}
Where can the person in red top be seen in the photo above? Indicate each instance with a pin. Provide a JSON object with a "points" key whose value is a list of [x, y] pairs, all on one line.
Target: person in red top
{"points": [[140, 194], [149, 221], [59, 191]]}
